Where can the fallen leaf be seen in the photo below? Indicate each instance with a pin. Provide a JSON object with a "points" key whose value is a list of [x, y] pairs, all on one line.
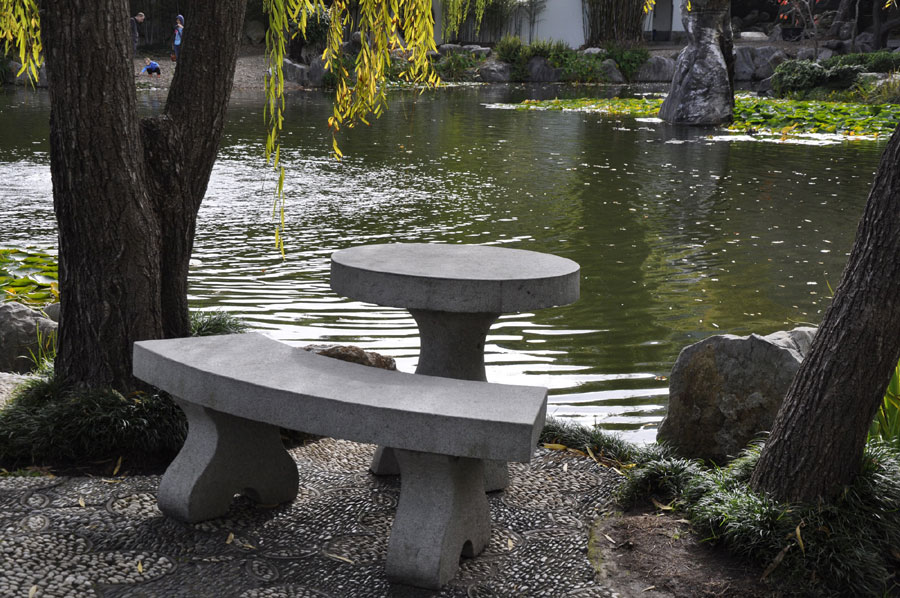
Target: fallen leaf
{"points": [[81, 501], [776, 561], [340, 558], [555, 447], [32, 591], [565, 467], [610, 539], [140, 567], [661, 506], [648, 588], [118, 465], [509, 544], [230, 538], [800, 539]]}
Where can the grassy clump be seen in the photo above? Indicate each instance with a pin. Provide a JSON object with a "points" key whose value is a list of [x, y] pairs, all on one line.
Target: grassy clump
{"points": [[211, 323], [48, 423], [601, 444], [839, 549], [796, 77], [456, 66]]}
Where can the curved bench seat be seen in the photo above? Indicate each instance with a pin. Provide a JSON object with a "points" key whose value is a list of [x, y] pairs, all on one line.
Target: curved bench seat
{"points": [[237, 390]]}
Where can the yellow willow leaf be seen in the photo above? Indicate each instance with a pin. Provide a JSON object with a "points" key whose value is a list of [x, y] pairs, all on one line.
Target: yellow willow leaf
{"points": [[32, 591], [661, 506], [800, 539], [230, 538], [555, 447], [81, 501], [118, 465], [140, 567]]}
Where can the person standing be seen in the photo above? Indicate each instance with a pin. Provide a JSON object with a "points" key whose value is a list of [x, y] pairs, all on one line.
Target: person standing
{"points": [[135, 20], [179, 34]]}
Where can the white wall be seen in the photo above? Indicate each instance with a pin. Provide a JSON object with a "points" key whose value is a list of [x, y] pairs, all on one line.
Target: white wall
{"points": [[560, 20]]}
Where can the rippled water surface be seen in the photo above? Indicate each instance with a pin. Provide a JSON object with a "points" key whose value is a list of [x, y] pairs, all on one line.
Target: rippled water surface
{"points": [[679, 235]]}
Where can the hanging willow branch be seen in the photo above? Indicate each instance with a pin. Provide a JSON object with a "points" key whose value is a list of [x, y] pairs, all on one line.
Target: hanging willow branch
{"points": [[20, 27], [383, 25]]}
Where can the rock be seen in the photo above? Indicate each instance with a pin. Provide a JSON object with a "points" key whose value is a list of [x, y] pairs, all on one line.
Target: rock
{"points": [[316, 72], [737, 24], [838, 46], [19, 327], [445, 49], [433, 55], [764, 88], [743, 63], [775, 34], [477, 51], [494, 71], [754, 36], [702, 92], [255, 32], [593, 51], [751, 19], [611, 72], [810, 54], [295, 73], [765, 61], [52, 312], [540, 70], [865, 42], [354, 354], [656, 69], [726, 389]]}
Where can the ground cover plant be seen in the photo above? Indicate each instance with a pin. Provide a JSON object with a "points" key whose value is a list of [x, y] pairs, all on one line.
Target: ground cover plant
{"points": [[842, 548], [755, 115]]}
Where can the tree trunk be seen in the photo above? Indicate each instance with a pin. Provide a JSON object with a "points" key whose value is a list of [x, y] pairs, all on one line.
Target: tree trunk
{"points": [[816, 444], [125, 193]]}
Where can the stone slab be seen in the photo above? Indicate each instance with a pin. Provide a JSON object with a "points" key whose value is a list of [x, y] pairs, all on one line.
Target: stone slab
{"points": [[454, 278], [258, 378]]}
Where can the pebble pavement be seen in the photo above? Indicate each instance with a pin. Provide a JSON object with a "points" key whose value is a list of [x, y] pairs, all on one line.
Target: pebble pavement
{"points": [[83, 537]]}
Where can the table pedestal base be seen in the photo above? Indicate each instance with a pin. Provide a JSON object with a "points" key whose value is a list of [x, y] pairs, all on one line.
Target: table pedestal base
{"points": [[452, 346]]}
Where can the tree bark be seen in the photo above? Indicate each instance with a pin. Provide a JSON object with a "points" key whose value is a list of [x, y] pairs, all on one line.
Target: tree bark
{"points": [[816, 444], [126, 193]]}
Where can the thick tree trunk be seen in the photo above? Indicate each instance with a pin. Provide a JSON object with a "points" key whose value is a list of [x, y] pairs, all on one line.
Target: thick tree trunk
{"points": [[816, 444], [126, 194]]}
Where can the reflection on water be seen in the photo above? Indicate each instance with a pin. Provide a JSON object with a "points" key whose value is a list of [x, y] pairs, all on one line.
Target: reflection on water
{"points": [[679, 236]]}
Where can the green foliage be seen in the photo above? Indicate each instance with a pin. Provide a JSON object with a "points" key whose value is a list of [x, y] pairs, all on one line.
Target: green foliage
{"points": [[629, 60], [844, 548], [47, 423], [456, 66], [28, 276], [883, 61], [509, 49], [43, 358], [794, 77], [211, 323], [886, 426]]}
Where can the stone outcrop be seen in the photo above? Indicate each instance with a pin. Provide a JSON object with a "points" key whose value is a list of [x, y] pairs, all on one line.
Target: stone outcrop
{"points": [[541, 71], [726, 389], [702, 91], [611, 72], [494, 71], [656, 69], [756, 64], [308, 75], [19, 326], [477, 51]]}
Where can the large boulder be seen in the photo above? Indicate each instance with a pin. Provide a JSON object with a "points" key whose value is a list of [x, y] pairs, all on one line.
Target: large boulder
{"points": [[765, 61], [726, 389], [743, 63], [294, 72], [477, 51], [702, 92], [19, 329], [541, 71], [494, 71], [611, 72], [656, 69], [255, 32]]}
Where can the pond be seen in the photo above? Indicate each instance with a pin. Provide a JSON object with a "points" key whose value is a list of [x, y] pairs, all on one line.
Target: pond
{"points": [[679, 235]]}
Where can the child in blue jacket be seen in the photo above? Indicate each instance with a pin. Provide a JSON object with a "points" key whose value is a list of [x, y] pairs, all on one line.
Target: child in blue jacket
{"points": [[152, 67]]}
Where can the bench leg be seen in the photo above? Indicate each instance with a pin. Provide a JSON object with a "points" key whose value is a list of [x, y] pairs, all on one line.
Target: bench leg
{"points": [[225, 455], [442, 513]]}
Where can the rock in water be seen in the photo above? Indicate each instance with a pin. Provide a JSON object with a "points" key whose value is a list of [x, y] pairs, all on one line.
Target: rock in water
{"points": [[726, 389], [702, 91], [19, 327]]}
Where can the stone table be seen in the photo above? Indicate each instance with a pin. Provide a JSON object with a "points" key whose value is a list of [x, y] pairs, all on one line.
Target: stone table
{"points": [[455, 293]]}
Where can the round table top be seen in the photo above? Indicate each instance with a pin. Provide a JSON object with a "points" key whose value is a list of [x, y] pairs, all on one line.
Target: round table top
{"points": [[454, 278]]}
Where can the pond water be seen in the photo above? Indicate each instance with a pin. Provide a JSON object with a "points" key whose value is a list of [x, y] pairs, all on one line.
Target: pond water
{"points": [[679, 235]]}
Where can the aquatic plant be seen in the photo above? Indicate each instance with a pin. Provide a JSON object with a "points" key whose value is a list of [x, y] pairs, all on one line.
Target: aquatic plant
{"points": [[755, 115], [28, 276]]}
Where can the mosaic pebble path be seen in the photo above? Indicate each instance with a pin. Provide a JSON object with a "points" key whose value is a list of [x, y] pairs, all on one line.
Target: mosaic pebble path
{"points": [[80, 537]]}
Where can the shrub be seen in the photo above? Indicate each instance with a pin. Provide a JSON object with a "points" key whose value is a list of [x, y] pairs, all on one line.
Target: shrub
{"points": [[629, 60], [455, 66], [842, 548], [874, 62], [509, 49], [797, 75], [211, 323], [47, 423]]}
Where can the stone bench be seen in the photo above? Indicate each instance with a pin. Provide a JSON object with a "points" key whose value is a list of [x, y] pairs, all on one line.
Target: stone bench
{"points": [[237, 391]]}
